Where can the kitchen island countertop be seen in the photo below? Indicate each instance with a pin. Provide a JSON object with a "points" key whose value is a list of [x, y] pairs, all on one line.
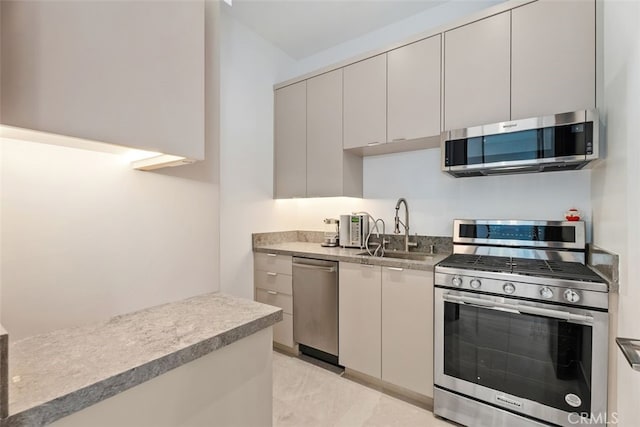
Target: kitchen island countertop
{"points": [[58, 373]]}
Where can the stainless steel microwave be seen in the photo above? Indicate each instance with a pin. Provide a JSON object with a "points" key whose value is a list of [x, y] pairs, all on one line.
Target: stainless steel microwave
{"points": [[565, 141]]}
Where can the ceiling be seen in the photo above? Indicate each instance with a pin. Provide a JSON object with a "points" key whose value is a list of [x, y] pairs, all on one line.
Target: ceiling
{"points": [[304, 27]]}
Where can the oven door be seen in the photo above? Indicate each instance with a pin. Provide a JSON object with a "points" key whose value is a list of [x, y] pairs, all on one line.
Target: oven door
{"points": [[541, 360]]}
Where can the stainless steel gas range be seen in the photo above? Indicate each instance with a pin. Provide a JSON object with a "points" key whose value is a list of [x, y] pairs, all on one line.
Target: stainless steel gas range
{"points": [[521, 326]]}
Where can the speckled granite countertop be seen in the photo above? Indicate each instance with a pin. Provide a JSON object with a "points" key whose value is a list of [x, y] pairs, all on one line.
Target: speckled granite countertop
{"points": [[314, 250], [61, 372]]}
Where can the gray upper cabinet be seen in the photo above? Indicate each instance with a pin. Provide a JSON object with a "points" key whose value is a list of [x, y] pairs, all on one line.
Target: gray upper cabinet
{"points": [[477, 72], [127, 73], [414, 90], [365, 102], [331, 171], [290, 146], [553, 63]]}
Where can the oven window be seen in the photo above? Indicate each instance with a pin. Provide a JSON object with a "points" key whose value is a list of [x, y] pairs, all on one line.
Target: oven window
{"points": [[537, 358]]}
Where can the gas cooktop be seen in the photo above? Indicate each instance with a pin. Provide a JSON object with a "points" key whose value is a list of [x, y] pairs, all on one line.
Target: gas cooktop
{"points": [[524, 266]]}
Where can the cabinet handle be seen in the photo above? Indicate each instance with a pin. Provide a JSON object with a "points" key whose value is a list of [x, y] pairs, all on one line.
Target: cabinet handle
{"points": [[272, 292], [398, 139], [395, 268], [371, 144], [269, 273], [272, 254], [367, 265]]}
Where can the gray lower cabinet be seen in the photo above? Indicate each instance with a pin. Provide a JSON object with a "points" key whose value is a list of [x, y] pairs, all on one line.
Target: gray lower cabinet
{"points": [[407, 329], [477, 68], [290, 146], [553, 65], [331, 171], [413, 90], [386, 324], [274, 286], [359, 314], [365, 102]]}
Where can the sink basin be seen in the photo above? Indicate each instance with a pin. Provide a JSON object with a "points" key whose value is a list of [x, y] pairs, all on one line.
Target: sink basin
{"points": [[412, 256]]}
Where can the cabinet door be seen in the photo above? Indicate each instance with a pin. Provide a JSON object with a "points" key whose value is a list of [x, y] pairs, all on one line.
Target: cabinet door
{"points": [[477, 73], [283, 331], [122, 72], [290, 144], [324, 135], [359, 313], [365, 102], [407, 329], [553, 64], [414, 90]]}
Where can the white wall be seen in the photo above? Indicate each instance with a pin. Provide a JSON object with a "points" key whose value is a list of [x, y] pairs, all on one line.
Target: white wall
{"points": [[250, 66], [435, 198], [615, 191], [390, 34], [84, 237]]}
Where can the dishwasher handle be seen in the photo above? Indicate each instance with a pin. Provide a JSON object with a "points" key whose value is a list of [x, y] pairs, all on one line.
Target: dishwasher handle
{"points": [[315, 267], [315, 264]]}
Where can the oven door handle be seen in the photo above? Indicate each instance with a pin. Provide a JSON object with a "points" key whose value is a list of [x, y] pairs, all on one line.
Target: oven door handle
{"points": [[519, 308]]}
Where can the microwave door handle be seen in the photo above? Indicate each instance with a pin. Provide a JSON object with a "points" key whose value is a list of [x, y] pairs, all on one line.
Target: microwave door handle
{"points": [[519, 308]]}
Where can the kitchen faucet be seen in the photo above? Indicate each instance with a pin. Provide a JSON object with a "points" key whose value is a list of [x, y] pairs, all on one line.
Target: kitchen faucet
{"points": [[405, 224]]}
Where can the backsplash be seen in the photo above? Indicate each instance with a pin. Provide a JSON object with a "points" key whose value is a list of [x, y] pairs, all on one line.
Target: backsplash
{"points": [[442, 244]]}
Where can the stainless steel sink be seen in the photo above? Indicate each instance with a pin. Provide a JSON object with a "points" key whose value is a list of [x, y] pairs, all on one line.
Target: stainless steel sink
{"points": [[412, 256]]}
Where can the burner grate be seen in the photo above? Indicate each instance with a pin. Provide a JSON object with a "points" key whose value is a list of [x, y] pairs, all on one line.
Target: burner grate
{"points": [[524, 266]]}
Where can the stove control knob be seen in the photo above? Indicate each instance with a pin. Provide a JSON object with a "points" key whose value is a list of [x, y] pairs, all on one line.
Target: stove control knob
{"points": [[509, 288], [475, 283], [546, 292], [456, 281], [571, 296]]}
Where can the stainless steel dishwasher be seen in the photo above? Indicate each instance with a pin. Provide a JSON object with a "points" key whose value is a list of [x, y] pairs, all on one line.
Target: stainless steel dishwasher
{"points": [[315, 308]]}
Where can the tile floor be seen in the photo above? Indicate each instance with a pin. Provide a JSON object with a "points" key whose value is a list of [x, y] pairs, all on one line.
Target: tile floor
{"points": [[305, 395]]}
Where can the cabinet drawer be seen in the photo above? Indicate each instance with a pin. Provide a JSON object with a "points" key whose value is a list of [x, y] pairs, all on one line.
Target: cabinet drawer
{"points": [[272, 281], [272, 262], [285, 302], [283, 331]]}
